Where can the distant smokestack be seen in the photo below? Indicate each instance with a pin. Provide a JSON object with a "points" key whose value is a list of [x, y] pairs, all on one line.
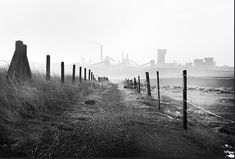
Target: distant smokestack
{"points": [[101, 53]]}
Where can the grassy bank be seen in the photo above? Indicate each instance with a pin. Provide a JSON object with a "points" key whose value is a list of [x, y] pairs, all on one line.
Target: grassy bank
{"points": [[28, 109]]}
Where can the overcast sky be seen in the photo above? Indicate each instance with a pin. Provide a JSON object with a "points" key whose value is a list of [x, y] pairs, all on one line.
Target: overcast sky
{"points": [[65, 29]]}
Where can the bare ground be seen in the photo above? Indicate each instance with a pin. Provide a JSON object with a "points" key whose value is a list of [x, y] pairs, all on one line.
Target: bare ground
{"points": [[123, 123]]}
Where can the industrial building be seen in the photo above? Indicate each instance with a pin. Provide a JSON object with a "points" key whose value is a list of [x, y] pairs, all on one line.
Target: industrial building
{"points": [[208, 62], [161, 53]]}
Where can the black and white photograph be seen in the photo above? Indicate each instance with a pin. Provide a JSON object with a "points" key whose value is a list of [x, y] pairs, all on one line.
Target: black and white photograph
{"points": [[117, 79]]}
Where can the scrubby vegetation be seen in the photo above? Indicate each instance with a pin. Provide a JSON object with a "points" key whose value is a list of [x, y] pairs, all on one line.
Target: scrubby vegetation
{"points": [[28, 108]]}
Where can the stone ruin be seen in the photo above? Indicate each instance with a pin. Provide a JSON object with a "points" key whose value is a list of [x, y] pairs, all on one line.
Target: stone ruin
{"points": [[19, 67]]}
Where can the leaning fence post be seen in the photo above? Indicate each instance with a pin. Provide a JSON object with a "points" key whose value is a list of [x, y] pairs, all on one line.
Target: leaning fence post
{"points": [[158, 90], [138, 84], [80, 74], [185, 99], [73, 78], [148, 84], [48, 67], [62, 72]]}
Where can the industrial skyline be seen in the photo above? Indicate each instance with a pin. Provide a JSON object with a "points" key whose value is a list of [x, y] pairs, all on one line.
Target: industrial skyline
{"points": [[65, 29], [160, 61]]}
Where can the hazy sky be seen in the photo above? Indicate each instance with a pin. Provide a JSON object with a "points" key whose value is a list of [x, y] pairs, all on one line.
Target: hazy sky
{"points": [[64, 29]]}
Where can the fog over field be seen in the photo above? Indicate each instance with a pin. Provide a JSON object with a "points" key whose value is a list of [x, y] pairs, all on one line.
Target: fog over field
{"points": [[117, 78]]}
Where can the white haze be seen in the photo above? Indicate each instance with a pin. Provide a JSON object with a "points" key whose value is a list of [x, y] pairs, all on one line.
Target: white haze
{"points": [[65, 29]]}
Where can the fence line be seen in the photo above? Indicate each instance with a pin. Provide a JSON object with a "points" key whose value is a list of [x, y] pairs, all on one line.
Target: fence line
{"points": [[203, 109], [209, 112], [198, 107], [91, 76], [185, 101]]}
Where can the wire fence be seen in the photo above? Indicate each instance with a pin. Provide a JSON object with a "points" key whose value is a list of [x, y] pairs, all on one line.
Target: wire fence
{"points": [[185, 101], [200, 108], [88, 73]]}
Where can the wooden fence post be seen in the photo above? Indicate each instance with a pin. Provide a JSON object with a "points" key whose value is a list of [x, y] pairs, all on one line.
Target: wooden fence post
{"points": [[89, 75], [158, 90], [73, 78], [185, 99], [84, 74], [148, 84], [62, 72], [131, 83], [80, 74], [135, 84], [138, 84], [48, 67]]}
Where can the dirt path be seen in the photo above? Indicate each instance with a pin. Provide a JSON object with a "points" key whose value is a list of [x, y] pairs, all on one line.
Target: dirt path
{"points": [[119, 122]]}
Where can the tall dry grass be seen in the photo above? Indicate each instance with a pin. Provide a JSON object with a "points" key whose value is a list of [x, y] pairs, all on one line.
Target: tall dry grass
{"points": [[33, 100], [39, 95]]}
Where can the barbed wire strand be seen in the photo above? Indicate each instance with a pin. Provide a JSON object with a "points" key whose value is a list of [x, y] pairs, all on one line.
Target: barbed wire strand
{"points": [[198, 120], [207, 111]]}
